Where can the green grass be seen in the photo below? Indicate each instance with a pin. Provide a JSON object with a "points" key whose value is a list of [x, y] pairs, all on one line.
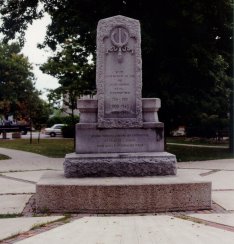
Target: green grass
{"points": [[198, 153], [56, 148], [185, 153], [2, 157], [4, 216]]}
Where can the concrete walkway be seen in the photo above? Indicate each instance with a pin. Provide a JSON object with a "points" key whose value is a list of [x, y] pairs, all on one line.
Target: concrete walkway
{"points": [[19, 175], [195, 145]]}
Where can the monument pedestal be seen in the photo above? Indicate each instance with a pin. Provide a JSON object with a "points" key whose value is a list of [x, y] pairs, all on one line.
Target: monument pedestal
{"points": [[119, 164], [119, 195]]}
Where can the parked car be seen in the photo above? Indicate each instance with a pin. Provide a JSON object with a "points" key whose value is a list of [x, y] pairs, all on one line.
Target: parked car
{"points": [[55, 130], [180, 131]]}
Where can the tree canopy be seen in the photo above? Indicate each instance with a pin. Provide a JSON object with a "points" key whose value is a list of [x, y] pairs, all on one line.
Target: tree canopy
{"points": [[186, 47], [70, 66], [15, 79], [18, 96]]}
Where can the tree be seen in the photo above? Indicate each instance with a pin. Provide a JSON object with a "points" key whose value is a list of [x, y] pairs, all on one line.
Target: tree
{"points": [[15, 79], [70, 66], [38, 112], [186, 46], [18, 96]]}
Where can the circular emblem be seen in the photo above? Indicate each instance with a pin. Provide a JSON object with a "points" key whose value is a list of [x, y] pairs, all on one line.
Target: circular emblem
{"points": [[119, 37]]}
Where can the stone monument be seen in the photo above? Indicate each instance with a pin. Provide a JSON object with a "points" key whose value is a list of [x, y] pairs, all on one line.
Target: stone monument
{"points": [[119, 133], [120, 165]]}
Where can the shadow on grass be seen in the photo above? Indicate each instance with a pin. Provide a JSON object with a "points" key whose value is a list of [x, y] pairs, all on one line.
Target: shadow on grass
{"points": [[184, 153]]}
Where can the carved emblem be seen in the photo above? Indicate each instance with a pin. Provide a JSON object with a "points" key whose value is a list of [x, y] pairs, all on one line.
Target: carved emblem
{"points": [[119, 38]]}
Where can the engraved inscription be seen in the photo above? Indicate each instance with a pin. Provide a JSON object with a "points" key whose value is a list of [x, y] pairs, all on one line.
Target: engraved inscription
{"points": [[120, 88], [118, 73], [117, 140], [128, 140], [120, 99]]}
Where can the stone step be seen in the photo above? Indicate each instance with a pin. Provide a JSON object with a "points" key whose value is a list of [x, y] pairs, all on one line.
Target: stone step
{"points": [[55, 193]]}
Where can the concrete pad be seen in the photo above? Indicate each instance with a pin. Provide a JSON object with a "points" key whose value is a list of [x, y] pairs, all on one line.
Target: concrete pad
{"points": [[122, 194], [181, 177], [13, 204], [21, 161], [27, 175], [224, 198], [13, 226], [225, 164], [10, 186], [221, 180], [222, 218], [192, 172], [16, 154], [31, 164], [132, 229]]}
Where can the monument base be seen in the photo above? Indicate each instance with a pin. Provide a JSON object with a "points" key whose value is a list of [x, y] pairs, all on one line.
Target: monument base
{"points": [[119, 164], [55, 193]]}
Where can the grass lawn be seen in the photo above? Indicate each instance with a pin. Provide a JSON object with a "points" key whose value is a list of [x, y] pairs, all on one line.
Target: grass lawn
{"points": [[184, 153], [56, 148], [59, 147]]}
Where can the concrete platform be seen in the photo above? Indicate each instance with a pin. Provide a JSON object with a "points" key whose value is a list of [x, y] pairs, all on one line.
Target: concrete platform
{"points": [[221, 218], [55, 193], [13, 204], [14, 226], [132, 230], [11, 186], [221, 180], [22, 161], [220, 164], [225, 199], [32, 176]]}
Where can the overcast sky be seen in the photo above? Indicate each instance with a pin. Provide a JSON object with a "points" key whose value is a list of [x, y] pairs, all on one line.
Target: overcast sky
{"points": [[34, 35]]}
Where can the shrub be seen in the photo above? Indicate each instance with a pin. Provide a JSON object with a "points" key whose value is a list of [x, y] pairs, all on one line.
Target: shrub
{"points": [[208, 127], [68, 131], [61, 120]]}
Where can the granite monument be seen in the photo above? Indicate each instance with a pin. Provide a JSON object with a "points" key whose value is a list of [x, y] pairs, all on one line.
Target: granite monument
{"points": [[120, 143], [119, 133]]}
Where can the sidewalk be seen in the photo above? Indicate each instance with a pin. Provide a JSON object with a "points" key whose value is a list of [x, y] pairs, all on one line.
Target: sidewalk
{"points": [[196, 145], [18, 177]]}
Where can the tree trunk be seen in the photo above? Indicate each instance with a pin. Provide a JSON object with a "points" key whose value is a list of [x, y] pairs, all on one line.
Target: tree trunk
{"points": [[231, 131]]}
